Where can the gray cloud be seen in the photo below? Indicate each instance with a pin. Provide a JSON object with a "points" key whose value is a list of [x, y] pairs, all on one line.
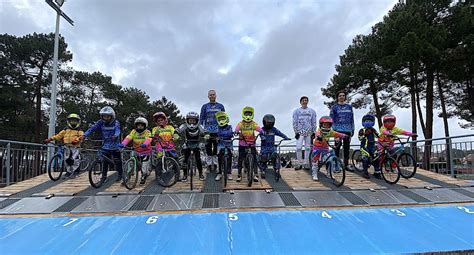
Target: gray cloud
{"points": [[260, 53]]}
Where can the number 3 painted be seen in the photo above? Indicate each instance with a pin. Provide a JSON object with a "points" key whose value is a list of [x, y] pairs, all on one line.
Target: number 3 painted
{"points": [[152, 220], [233, 216], [399, 213], [465, 209]]}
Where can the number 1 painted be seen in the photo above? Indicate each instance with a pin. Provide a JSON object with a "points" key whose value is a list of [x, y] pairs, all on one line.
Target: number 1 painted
{"points": [[70, 221]]}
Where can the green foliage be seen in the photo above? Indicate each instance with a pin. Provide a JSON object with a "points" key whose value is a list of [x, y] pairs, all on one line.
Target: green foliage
{"points": [[25, 78]]}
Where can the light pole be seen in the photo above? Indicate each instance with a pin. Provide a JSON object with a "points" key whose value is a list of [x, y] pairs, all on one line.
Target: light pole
{"points": [[52, 112]]}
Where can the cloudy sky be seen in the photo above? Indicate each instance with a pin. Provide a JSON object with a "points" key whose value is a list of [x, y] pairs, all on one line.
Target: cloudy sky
{"points": [[265, 54]]}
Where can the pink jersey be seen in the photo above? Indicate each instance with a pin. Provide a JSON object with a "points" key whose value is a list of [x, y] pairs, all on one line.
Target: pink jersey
{"points": [[247, 130]]}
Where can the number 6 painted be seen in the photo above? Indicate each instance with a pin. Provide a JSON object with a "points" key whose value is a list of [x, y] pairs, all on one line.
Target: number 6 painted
{"points": [[152, 220]]}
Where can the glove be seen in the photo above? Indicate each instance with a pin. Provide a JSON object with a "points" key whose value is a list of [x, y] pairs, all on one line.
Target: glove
{"points": [[206, 137], [175, 137], [312, 136], [319, 138], [297, 136], [48, 140], [143, 146]]}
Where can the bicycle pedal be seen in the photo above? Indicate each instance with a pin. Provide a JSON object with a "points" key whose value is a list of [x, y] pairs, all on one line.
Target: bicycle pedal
{"points": [[49, 196], [372, 190], [428, 188]]}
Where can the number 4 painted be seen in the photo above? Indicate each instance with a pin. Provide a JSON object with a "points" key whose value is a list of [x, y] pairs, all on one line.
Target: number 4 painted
{"points": [[465, 209], [324, 214]]}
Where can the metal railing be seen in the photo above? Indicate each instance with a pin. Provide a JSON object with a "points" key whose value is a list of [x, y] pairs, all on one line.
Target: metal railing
{"points": [[452, 156], [20, 161]]}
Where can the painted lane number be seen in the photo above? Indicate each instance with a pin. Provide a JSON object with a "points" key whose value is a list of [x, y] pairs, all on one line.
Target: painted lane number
{"points": [[465, 209], [398, 212], [233, 216], [70, 221], [324, 214], [152, 220]]}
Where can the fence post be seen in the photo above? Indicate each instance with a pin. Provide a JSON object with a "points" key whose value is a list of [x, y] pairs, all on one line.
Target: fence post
{"points": [[450, 157], [8, 163]]}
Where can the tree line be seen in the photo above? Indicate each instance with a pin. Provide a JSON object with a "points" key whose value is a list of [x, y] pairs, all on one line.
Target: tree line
{"points": [[420, 56], [25, 83]]}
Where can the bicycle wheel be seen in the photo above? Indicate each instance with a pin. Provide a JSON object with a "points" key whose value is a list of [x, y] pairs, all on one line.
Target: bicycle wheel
{"points": [[85, 162], [356, 160], [277, 168], [224, 168], [407, 164], [95, 174], [191, 170], [56, 167], [168, 175], [390, 170], [249, 168], [337, 171], [130, 177]]}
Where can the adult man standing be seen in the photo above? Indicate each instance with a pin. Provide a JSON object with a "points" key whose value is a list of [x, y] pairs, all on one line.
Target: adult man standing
{"points": [[304, 125], [343, 119], [209, 122]]}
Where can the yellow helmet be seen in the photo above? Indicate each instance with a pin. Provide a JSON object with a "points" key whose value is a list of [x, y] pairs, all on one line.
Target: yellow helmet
{"points": [[222, 118], [247, 113], [73, 120]]}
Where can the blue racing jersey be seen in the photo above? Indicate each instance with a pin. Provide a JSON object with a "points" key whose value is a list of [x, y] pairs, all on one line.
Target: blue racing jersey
{"points": [[268, 139], [225, 134], [108, 131], [208, 116], [343, 118]]}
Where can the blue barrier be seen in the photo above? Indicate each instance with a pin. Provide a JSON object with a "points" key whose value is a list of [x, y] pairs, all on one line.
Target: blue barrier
{"points": [[384, 230]]}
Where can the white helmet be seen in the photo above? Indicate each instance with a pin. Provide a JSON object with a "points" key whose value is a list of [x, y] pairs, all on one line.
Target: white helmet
{"points": [[142, 121], [192, 120], [107, 110]]}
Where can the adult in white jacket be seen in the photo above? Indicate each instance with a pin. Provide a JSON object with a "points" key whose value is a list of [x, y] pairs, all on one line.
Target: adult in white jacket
{"points": [[304, 125]]}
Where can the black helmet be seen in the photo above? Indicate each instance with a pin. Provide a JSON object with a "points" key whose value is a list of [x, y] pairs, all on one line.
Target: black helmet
{"points": [[268, 121]]}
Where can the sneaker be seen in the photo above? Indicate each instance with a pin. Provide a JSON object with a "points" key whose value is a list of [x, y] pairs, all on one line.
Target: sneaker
{"points": [[255, 178], [218, 177], [229, 177], [315, 177], [239, 178], [143, 179], [366, 175], [349, 168], [184, 179], [298, 167], [263, 175], [201, 177], [377, 175]]}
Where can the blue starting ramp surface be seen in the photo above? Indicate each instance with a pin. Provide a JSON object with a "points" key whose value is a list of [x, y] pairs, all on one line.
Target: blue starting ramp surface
{"points": [[382, 230]]}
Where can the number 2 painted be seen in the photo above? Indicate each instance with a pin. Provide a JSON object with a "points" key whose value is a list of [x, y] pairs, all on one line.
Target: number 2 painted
{"points": [[465, 209]]}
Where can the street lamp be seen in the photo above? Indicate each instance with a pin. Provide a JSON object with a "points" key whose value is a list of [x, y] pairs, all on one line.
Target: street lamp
{"points": [[52, 111]]}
